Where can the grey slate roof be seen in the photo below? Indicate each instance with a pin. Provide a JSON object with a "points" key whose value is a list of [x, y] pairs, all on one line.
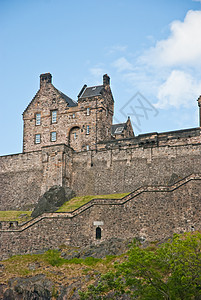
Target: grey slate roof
{"points": [[92, 91], [118, 128], [71, 103]]}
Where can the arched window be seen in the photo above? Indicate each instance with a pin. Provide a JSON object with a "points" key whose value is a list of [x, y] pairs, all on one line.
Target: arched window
{"points": [[98, 233]]}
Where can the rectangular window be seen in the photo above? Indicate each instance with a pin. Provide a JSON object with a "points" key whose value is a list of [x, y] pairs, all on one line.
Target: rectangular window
{"points": [[73, 116], [87, 129], [54, 116], [38, 119], [53, 136], [75, 135], [88, 111], [87, 147], [37, 139]]}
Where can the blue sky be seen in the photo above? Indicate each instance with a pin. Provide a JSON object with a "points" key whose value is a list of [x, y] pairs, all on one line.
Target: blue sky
{"points": [[152, 47]]}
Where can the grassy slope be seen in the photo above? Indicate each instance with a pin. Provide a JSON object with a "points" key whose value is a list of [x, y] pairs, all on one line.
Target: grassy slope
{"points": [[57, 269], [13, 215], [76, 202], [71, 205]]}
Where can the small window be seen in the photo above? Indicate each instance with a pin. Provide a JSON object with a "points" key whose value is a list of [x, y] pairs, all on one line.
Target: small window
{"points": [[75, 135], [106, 112], [38, 119], [37, 138], [87, 129], [73, 116], [54, 116], [87, 147], [98, 233], [88, 111], [53, 136], [11, 225]]}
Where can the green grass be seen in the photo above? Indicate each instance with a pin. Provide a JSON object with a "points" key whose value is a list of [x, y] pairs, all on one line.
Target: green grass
{"points": [[13, 215], [76, 202], [56, 268]]}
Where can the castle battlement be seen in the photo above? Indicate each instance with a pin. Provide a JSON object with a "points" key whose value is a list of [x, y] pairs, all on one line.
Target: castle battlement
{"points": [[75, 144]]}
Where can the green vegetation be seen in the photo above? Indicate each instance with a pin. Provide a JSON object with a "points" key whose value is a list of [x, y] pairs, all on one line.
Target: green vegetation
{"points": [[55, 267], [12, 215], [53, 258], [76, 202], [171, 271]]}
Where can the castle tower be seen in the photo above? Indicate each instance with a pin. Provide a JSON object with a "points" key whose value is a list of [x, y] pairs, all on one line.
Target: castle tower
{"points": [[99, 104], [199, 104], [53, 118]]}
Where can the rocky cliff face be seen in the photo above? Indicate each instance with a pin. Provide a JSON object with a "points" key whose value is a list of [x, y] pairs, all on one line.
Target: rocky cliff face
{"points": [[52, 280]]}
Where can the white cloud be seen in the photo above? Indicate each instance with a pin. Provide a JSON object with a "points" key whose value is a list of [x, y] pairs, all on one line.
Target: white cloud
{"points": [[97, 71], [180, 88], [122, 64], [116, 48], [172, 68], [183, 46]]}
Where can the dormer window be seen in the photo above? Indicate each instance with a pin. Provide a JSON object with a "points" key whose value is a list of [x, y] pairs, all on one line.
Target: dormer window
{"points": [[38, 119], [88, 111], [54, 116]]}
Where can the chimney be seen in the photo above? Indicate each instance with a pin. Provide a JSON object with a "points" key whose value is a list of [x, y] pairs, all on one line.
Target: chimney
{"points": [[82, 90], [199, 104], [106, 80], [45, 79]]}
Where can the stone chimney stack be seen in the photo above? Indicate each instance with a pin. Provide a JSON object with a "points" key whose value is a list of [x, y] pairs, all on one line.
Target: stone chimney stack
{"points": [[106, 80], [45, 79], [199, 104]]}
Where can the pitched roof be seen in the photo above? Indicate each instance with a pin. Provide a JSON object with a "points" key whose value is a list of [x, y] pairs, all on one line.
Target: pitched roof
{"points": [[92, 91], [71, 102], [118, 128]]}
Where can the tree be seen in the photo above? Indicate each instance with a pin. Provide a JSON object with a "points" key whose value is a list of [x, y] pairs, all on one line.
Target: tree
{"points": [[170, 271]]}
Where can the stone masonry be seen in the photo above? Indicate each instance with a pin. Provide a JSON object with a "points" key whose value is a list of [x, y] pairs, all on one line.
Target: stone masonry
{"points": [[150, 213], [75, 144]]}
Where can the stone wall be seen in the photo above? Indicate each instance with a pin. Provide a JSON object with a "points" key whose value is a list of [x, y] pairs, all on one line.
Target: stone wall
{"points": [[20, 180], [25, 177], [150, 213], [116, 167], [125, 168]]}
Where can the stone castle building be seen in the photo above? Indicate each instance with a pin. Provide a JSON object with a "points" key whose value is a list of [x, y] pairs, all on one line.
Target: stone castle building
{"points": [[54, 118], [75, 144]]}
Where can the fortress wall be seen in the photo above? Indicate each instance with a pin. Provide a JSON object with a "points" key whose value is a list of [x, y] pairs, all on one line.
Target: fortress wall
{"points": [[125, 169], [20, 180], [24, 177], [153, 215]]}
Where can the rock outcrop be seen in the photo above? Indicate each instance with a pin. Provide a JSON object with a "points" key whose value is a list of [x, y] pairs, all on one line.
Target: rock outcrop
{"points": [[51, 200]]}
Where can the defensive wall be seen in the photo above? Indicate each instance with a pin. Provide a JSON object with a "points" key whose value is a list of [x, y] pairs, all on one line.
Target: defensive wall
{"points": [[150, 213], [117, 166]]}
